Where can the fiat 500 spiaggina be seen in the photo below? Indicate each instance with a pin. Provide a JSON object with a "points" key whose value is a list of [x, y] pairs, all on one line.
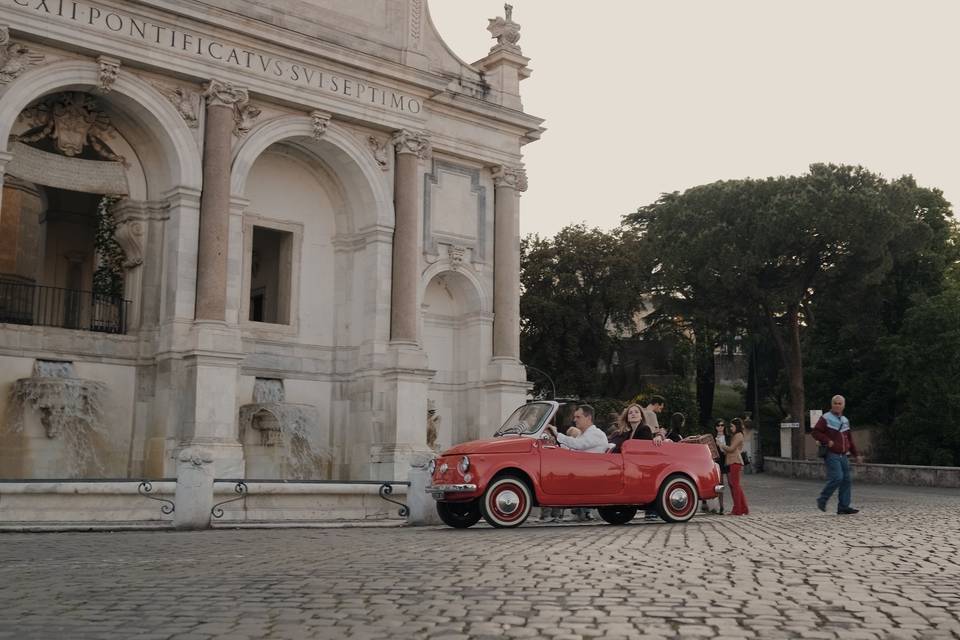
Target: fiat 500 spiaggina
{"points": [[502, 478]]}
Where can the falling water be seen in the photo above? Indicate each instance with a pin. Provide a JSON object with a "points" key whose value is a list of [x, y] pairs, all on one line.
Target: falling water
{"points": [[289, 435], [70, 410], [268, 390]]}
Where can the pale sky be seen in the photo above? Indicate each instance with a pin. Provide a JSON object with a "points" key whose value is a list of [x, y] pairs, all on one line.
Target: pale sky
{"points": [[643, 97]]}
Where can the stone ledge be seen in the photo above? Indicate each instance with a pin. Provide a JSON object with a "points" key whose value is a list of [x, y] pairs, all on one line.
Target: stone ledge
{"points": [[910, 475], [51, 505]]}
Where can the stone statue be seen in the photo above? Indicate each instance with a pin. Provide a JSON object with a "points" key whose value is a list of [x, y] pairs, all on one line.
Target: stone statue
{"points": [[433, 424], [505, 30]]}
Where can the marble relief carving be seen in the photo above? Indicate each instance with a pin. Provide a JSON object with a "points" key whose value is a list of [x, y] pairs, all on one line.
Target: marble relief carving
{"points": [[245, 115], [223, 94], [456, 255], [379, 149], [186, 102], [72, 121], [416, 17], [107, 76], [320, 121], [129, 235], [411, 142], [15, 58], [512, 177]]}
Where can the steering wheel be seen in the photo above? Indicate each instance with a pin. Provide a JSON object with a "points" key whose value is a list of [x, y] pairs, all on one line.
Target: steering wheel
{"points": [[547, 436]]}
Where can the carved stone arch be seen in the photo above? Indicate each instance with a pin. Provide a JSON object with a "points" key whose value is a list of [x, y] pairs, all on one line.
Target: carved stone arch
{"points": [[369, 198], [469, 285], [178, 163]]}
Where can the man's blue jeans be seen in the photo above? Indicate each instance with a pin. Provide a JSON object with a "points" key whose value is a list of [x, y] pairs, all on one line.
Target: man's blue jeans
{"points": [[838, 475]]}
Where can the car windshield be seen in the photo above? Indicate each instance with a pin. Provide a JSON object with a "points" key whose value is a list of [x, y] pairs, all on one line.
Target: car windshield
{"points": [[525, 420]]}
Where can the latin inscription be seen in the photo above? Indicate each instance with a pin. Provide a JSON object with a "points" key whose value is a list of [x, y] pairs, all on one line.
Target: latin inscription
{"points": [[183, 42]]}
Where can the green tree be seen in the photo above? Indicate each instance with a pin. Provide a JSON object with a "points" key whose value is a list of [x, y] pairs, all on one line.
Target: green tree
{"points": [[108, 274], [925, 359], [843, 330], [771, 247], [581, 290]]}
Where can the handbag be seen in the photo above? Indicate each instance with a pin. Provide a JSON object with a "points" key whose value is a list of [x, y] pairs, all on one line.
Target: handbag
{"points": [[822, 450], [745, 458]]}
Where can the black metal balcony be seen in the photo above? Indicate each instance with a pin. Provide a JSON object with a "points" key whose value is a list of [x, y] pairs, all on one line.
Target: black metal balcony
{"points": [[67, 308]]}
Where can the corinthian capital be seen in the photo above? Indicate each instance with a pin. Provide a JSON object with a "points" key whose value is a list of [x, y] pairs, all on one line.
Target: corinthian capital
{"points": [[224, 94], [510, 177], [409, 142]]}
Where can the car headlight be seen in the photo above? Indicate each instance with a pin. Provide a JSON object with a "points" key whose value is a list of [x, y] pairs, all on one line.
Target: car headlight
{"points": [[431, 466], [464, 464]]}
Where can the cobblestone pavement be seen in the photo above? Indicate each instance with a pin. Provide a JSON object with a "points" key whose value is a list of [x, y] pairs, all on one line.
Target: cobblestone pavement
{"points": [[787, 570]]}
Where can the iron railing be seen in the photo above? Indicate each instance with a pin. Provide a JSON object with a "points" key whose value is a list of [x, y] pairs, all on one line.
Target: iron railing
{"points": [[32, 304]]}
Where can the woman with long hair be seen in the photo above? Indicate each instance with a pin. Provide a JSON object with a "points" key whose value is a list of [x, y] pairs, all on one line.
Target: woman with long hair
{"points": [[734, 462], [631, 425]]}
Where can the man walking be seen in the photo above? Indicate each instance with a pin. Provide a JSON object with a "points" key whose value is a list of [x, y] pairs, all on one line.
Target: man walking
{"points": [[833, 431]]}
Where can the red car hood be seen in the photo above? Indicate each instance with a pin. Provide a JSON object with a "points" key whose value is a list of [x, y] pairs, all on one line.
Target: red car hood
{"points": [[491, 445]]}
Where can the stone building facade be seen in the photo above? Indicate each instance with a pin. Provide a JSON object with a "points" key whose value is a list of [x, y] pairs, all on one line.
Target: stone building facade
{"points": [[312, 196]]}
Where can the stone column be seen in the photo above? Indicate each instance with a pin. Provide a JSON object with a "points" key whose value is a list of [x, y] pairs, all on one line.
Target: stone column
{"points": [[411, 147], [405, 372], [222, 101], [506, 262]]}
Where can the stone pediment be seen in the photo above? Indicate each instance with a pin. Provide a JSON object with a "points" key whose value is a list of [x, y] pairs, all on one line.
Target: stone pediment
{"points": [[388, 29]]}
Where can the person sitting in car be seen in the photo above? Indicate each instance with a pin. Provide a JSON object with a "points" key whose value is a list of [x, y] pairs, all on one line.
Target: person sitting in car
{"points": [[591, 438], [630, 424]]}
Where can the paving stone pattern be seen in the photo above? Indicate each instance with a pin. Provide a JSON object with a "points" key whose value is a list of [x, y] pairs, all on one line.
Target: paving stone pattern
{"points": [[786, 571]]}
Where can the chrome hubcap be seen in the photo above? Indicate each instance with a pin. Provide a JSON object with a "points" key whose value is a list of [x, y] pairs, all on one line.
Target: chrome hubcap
{"points": [[508, 501], [679, 499]]}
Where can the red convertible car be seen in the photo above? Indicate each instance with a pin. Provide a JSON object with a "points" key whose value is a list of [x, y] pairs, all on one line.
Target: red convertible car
{"points": [[502, 478]]}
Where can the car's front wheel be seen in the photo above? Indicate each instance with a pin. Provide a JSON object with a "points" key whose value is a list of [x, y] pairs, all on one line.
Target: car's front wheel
{"points": [[459, 515], [677, 500], [506, 502], [617, 515]]}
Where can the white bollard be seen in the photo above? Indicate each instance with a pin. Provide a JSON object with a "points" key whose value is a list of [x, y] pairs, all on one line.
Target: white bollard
{"points": [[194, 495], [423, 508]]}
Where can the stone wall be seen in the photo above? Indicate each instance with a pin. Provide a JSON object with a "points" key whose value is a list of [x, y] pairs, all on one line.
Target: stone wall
{"points": [[872, 473]]}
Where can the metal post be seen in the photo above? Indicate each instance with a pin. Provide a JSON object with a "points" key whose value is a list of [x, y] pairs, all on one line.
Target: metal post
{"points": [[553, 387]]}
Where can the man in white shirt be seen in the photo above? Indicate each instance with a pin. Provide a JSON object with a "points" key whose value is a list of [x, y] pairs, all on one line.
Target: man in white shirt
{"points": [[591, 438]]}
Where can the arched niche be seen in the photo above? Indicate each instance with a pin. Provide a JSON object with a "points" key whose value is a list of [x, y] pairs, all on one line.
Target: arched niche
{"points": [[160, 156], [456, 332]]}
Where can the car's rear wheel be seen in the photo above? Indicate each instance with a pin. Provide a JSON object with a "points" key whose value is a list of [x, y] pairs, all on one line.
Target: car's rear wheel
{"points": [[459, 515], [506, 502], [617, 515], [677, 500]]}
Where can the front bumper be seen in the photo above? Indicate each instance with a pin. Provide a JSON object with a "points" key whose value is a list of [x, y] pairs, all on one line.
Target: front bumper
{"points": [[439, 490]]}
